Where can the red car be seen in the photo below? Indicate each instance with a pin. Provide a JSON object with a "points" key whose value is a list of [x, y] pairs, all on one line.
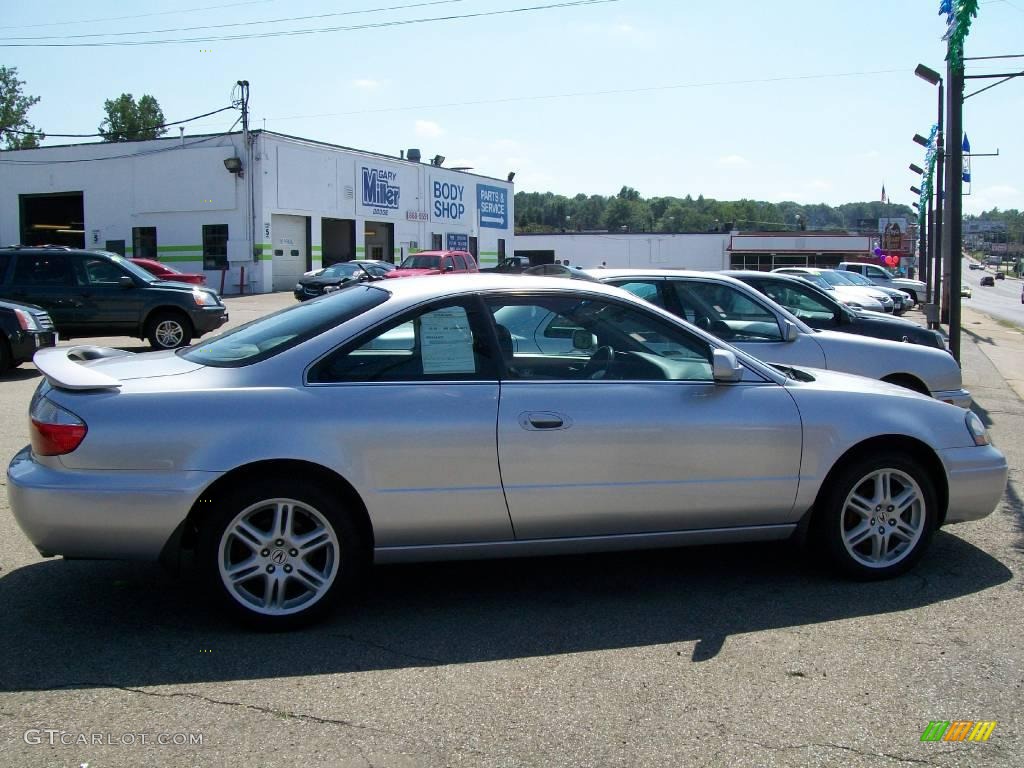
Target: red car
{"points": [[435, 263], [165, 272]]}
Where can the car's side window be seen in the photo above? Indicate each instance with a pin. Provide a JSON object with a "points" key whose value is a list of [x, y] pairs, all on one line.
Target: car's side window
{"points": [[97, 271], [725, 311], [441, 342], [460, 263], [645, 289], [591, 338], [875, 272], [44, 269]]}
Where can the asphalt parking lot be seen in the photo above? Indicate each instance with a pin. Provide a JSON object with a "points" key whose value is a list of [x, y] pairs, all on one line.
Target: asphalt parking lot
{"points": [[718, 656]]}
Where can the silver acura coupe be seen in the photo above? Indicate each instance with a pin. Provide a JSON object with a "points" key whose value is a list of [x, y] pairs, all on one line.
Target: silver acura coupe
{"points": [[413, 419]]}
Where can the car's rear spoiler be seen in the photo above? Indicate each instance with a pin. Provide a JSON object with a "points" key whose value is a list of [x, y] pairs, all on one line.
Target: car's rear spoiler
{"points": [[62, 367]]}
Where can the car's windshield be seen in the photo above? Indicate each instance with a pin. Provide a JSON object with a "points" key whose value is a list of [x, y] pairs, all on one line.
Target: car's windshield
{"points": [[834, 278], [816, 280], [422, 261], [128, 265], [275, 333], [857, 278], [345, 269]]}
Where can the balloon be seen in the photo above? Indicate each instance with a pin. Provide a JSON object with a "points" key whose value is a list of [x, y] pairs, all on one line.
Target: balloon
{"points": [[878, 251], [895, 261], [890, 260]]}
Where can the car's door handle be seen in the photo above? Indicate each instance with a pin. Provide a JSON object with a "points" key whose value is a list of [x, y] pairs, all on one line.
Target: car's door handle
{"points": [[534, 420]]}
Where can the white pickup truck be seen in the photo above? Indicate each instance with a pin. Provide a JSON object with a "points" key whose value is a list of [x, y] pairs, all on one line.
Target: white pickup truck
{"points": [[883, 277]]}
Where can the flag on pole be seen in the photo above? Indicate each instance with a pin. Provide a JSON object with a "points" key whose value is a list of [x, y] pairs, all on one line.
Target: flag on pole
{"points": [[966, 147]]}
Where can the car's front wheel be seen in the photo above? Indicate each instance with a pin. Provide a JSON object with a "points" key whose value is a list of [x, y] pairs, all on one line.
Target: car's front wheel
{"points": [[877, 516], [278, 554], [169, 330]]}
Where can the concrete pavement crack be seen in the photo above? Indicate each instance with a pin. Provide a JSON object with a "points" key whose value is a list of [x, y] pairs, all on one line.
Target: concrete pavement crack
{"points": [[829, 745], [387, 649]]}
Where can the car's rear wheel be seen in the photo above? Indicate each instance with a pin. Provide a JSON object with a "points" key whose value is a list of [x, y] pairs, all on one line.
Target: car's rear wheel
{"points": [[278, 554], [169, 330], [877, 516]]}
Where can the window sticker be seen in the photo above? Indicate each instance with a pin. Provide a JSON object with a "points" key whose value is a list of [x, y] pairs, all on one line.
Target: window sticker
{"points": [[447, 342]]}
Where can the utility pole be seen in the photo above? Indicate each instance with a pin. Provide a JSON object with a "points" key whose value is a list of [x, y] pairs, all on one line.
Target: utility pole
{"points": [[952, 236], [247, 139]]}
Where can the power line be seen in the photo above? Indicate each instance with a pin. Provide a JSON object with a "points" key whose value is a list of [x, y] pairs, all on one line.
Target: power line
{"points": [[96, 135], [616, 91], [239, 23], [303, 32], [137, 16]]}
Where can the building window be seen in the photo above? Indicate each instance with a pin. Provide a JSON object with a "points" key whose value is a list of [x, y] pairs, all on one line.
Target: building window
{"points": [[144, 243], [435, 243], [215, 246], [501, 248]]}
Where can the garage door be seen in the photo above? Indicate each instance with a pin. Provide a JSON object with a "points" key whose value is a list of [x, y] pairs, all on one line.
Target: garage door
{"points": [[289, 233]]}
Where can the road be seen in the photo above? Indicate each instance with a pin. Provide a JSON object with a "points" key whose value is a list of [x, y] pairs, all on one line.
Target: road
{"points": [[715, 656], [1002, 301]]}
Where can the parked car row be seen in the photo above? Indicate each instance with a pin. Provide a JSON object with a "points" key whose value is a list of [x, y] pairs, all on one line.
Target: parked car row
{"points": [[580, 417]]}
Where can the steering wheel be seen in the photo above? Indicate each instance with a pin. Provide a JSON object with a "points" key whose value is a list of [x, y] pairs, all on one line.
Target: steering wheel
{"points": [[599, 363]]}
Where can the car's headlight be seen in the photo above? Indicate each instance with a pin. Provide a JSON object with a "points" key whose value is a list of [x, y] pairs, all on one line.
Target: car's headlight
{"points": [[26, 320], [204, 299], [976, 428]]}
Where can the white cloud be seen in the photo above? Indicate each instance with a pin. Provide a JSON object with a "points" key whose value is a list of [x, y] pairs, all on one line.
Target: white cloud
{"points": [[733, 160], [366, 83], [428, 129]]}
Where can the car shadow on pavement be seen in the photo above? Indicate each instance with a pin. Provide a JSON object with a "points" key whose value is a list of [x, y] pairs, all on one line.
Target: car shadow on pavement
{"points": [[19, 374], [84, 624]]}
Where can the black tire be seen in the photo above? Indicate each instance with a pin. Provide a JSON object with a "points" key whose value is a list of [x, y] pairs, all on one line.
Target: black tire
{"points": [[167, 329], [218, 548], [903, 536]]}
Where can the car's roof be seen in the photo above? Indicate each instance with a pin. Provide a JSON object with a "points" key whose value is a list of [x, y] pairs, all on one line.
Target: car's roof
{"points": [[415, 288], [607, 274], [740, 274]]}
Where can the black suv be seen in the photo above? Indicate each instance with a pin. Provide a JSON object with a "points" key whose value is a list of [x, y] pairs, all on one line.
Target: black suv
{"points": [[98, 293]]}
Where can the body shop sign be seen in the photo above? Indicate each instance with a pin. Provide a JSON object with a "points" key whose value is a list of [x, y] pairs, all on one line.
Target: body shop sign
{"points": [[447, 201], [492, 203], [381, 192]]}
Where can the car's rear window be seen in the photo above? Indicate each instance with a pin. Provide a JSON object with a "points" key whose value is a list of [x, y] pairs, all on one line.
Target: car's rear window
{"points": [[270, 335]]}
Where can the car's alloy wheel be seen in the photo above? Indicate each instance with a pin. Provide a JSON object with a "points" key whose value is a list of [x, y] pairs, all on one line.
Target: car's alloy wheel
{"points": [[169, 331], [877, 517], [279, 553], [278, 556]]}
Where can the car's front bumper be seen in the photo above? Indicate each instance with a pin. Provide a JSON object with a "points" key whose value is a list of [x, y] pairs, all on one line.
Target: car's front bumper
{"points": [[958, 397], [24, 344], [206, 319], [119, 515], [977, 480]]}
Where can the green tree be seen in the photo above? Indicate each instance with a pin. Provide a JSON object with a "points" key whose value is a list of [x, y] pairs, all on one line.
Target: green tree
{"points": [[128, 120], [13, 107]]}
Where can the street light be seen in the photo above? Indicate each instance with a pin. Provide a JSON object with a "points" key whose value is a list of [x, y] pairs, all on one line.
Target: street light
{"points": [[917, 169], [934, 288], [916, 191], [921, 140]]}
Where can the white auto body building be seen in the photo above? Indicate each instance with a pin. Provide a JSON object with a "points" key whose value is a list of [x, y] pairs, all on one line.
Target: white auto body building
{"points": [[257, 219], [712, 250]]}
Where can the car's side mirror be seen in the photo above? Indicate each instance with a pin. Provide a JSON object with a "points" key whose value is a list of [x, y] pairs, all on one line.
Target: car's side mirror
{"points": [[449, 268], [725, 367], [792, 333], [583, 340], [126, 282]]}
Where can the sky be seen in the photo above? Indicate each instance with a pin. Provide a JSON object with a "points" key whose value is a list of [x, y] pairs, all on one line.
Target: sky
{"points": [[813, 101]]}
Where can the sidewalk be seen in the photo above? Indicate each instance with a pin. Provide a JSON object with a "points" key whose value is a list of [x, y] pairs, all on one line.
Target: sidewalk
{"points": [[1001, 343]]}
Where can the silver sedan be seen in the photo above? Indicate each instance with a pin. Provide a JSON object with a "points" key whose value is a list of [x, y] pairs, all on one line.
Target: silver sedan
{"points": [[751, 321], [403, 421]]}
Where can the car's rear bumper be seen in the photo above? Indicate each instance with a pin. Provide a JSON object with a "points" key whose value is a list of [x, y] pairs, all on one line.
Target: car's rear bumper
{"points": [[121, 515], [977, 480], [958, 397]]}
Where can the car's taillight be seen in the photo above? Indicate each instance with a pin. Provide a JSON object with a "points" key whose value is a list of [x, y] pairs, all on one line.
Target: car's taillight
{"points": [[25, 320], [54, 431]]}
